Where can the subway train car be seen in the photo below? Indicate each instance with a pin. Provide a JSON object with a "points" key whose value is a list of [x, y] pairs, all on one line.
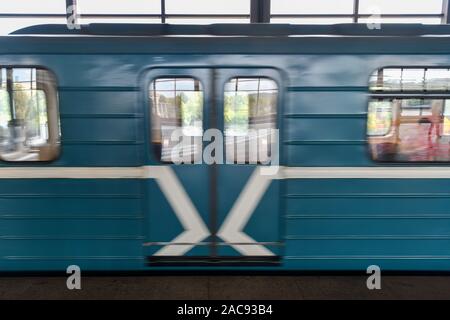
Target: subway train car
{"points": [[225, 147]]}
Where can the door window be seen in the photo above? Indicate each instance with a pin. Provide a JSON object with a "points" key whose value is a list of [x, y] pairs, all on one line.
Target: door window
{"points": [[177, 119], [250, 109]]}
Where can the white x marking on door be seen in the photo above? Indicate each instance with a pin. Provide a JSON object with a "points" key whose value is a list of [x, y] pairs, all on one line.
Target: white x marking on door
{"points": [[195, 229]]}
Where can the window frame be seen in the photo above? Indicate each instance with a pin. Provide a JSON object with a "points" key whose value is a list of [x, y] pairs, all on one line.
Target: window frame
{"points": [[57, 115]]}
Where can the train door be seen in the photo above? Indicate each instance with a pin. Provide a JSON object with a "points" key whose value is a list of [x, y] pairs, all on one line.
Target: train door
{"points": [[212, 196], [248, 196]]}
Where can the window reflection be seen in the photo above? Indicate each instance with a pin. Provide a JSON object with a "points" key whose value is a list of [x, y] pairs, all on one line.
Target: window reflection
{"points": [[413, 125], [29, 120], [409, 129], [177, 119]]}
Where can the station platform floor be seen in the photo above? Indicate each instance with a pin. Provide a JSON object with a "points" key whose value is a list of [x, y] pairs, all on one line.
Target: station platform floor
{"points": [[201, 287]]}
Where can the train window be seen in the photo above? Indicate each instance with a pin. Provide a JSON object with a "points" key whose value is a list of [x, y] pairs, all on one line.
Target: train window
{"points": [[177, 119], [250, 109], [29, 119], [409, 115]]}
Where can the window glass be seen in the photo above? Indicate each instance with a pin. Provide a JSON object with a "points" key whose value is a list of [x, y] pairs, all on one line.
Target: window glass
{"points": [[437, 79], [311, 20], [419, 130], [413, 79], [381, 19], [118, 7], [407, 120], [250, 108], [379, 118], [205, 20], [28, 6], [207, 7], [311, 7], [410, 79], [177, 119], [29, 119], [400, 6]]}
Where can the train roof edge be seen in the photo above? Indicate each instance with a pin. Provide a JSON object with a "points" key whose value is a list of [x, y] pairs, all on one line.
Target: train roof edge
{"points": [[350, 29]]}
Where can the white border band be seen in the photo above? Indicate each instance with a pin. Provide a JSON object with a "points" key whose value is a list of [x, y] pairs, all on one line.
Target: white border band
{"points": [[152, 172]]}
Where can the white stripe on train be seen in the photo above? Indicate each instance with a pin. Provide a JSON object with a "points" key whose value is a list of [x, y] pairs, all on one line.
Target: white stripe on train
{"points": [[152, 172]]}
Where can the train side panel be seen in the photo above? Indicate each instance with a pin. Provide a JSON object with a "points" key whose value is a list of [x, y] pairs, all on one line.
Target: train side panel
{"points": [[328, 224]]}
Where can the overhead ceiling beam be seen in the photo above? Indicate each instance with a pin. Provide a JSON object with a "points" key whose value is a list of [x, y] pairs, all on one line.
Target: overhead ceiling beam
{"points": [[445, 12], [163, 11], [355, 11], [260, 11]]}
